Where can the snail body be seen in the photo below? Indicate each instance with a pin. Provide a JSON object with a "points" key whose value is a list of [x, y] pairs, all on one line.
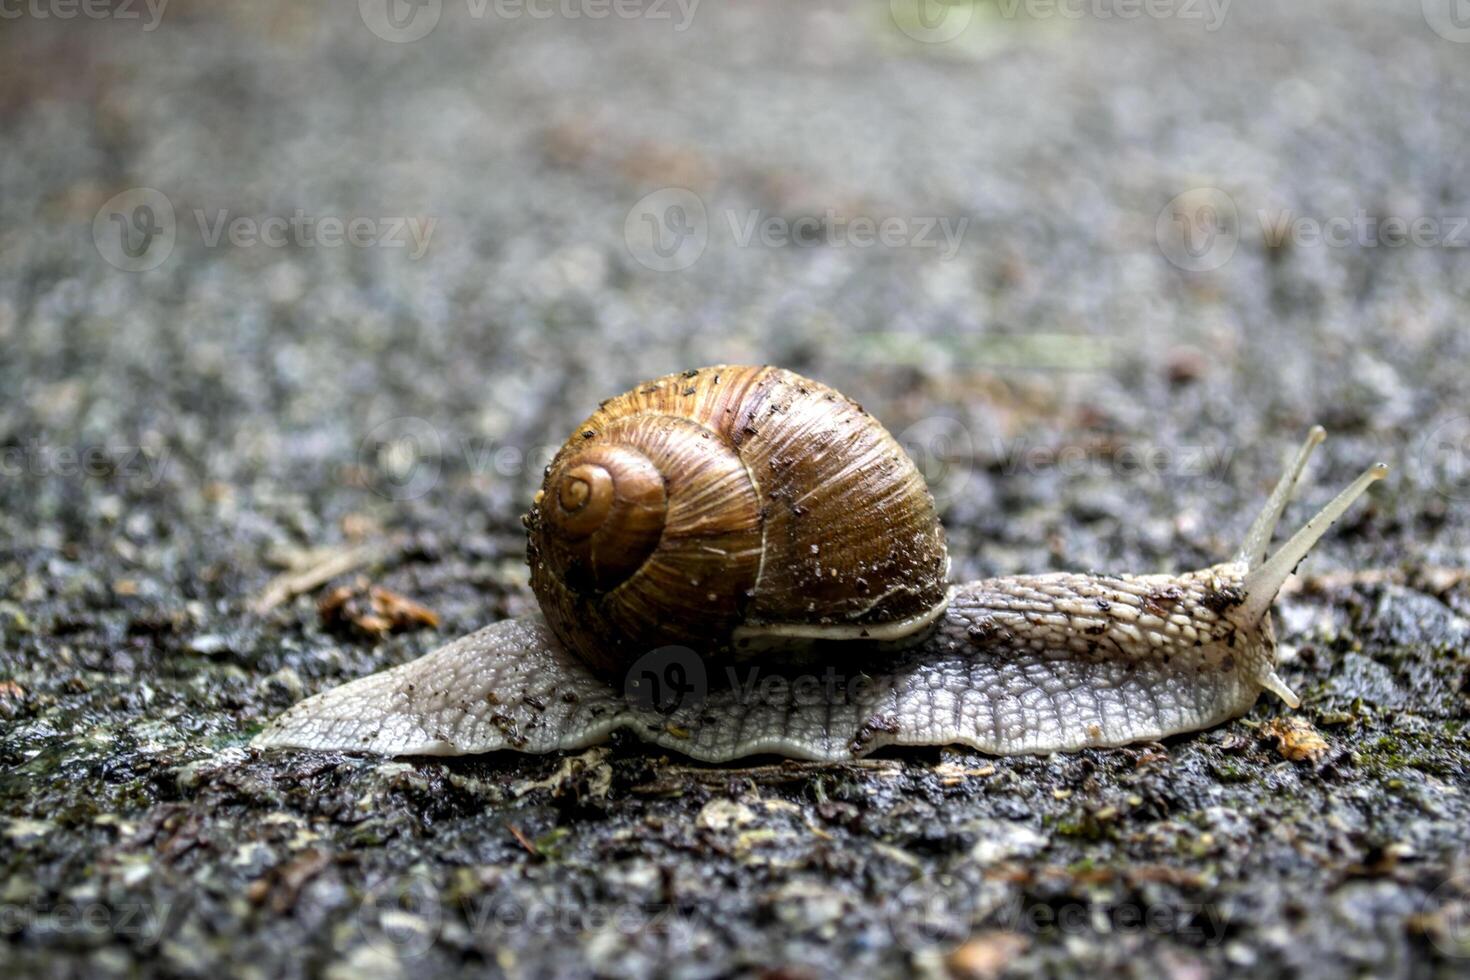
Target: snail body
{"points": [[767, 624]]}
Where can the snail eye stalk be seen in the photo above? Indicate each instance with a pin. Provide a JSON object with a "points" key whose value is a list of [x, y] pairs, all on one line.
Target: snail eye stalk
{"points": [[1258, 538], [1265, 580]]}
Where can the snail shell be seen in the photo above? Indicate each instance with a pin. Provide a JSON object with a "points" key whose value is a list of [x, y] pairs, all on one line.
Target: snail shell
{"points": [[732, 508], [735, 504]]}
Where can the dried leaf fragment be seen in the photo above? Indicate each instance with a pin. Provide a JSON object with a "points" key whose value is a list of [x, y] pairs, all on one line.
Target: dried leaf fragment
{"points": [[1296, 739], [987, 955], [372, 610]]}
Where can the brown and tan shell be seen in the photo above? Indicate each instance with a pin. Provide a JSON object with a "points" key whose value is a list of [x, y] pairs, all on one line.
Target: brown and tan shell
{"points": [[730, 507]]}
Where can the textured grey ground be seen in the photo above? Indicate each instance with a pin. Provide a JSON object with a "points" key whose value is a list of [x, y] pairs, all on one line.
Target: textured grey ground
{"points": [[141, 836]]}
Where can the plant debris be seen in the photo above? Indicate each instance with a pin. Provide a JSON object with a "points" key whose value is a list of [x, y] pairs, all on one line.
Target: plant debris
{"points": [[372, 610], [1296, 739]]}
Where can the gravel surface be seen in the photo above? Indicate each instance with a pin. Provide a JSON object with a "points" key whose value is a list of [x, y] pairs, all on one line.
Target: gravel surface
{"points": [[1128, 262]]}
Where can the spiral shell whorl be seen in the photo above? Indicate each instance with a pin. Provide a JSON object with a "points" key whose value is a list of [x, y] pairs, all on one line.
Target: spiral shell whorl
{"points": [[661, 547], [607, 505]]}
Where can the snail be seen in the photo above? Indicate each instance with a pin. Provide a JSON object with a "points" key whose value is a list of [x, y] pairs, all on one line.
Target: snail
{"points": [[739, 560]]}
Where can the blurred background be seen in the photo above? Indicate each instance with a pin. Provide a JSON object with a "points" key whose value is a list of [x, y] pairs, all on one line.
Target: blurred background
{"points": [[248, 238], [278, 279]]}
